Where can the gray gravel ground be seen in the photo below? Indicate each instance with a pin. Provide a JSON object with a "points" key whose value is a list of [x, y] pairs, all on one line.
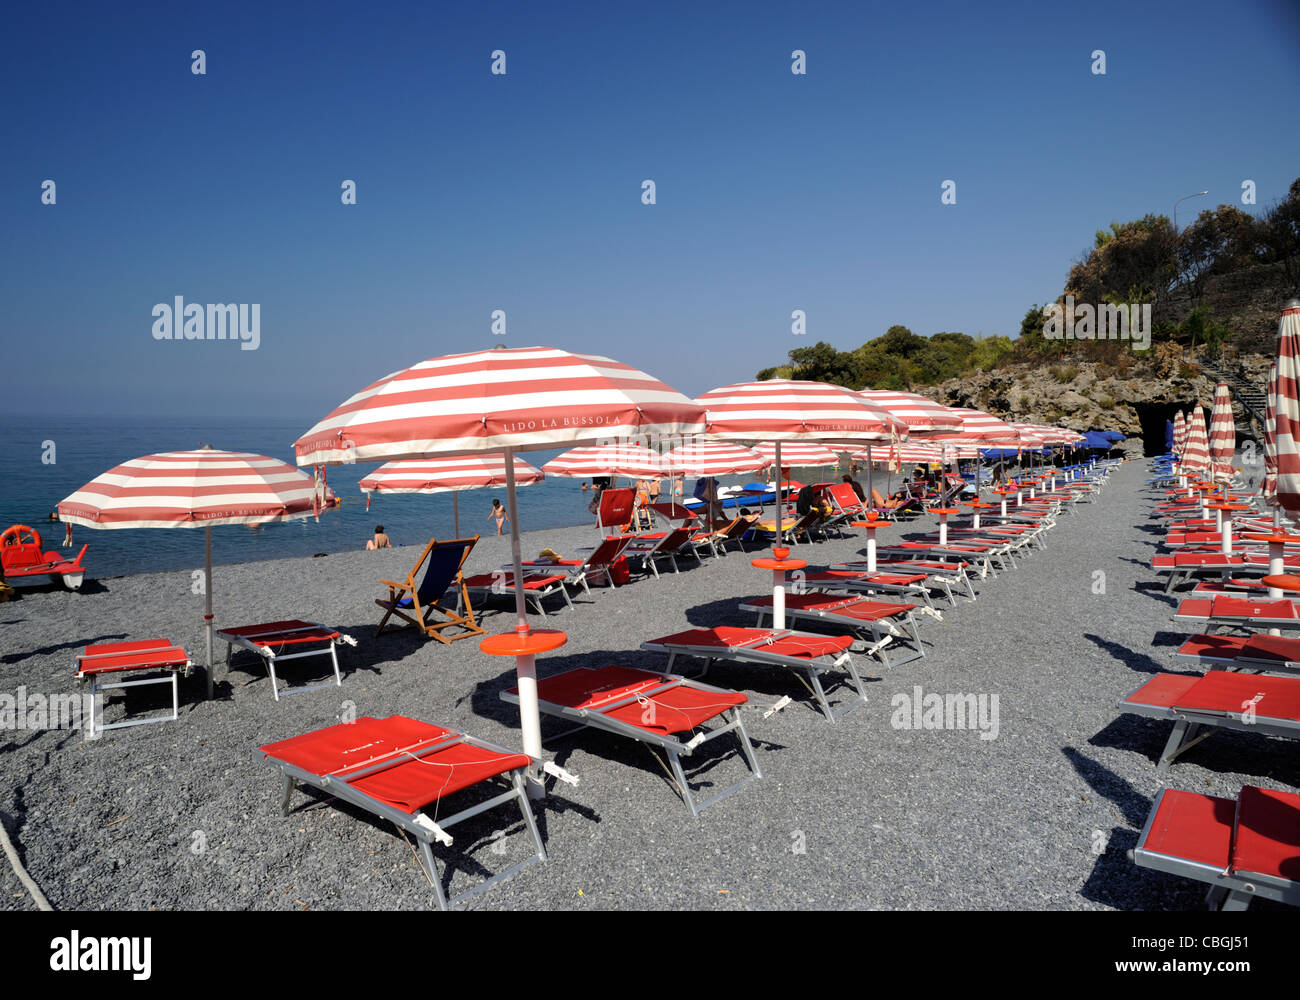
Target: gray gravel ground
{"points": [[1042, 817]]}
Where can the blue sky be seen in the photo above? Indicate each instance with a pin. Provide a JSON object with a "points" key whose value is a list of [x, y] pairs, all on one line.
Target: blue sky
{"points": [[522, 192]]}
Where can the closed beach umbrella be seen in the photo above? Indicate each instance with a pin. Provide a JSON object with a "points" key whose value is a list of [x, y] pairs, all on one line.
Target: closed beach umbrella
{"points": [[504, 399], [1180, 434], [1223, 433], [1196, 457], [1288, 408], [447, 475], [624, 458], [1269, 488], [194, 489]]}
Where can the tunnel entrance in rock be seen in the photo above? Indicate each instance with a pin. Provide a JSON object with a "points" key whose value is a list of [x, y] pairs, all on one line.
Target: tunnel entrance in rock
{"points": [[1152, 417]]}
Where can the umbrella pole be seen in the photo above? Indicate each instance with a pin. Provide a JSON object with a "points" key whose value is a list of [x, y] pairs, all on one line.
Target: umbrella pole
{"points": [[530, 719], [870, 470], [777, 540], [455, 507], [207, 598]]}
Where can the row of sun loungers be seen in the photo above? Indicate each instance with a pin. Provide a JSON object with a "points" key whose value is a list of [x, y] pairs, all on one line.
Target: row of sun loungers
{"points": [[1247, 847]]}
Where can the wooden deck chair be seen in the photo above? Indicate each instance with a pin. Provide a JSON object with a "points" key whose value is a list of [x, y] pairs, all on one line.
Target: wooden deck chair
{"points": [[416, 603]]}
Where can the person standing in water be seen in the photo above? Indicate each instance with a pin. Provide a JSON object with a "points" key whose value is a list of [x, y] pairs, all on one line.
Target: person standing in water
{"points": [[499, 512]]}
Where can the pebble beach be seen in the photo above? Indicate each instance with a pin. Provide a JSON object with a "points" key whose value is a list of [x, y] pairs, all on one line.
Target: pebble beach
{"points": [[861, 814]]}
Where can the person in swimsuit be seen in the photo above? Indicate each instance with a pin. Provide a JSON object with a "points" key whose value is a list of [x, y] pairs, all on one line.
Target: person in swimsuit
{"points": [[499, 512], [380, 541]]}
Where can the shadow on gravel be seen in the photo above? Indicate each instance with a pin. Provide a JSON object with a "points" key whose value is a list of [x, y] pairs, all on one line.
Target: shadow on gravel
{"points": [[1229, 752], [1155, 589], [1116, 881], [1131, 658], [60, 647], [1110, 785], [1174, 639]]}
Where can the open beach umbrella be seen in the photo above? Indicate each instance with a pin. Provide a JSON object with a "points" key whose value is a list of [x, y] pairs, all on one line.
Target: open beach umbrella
{"points": [[781, 410], [923, 416], [713, 458], [503, 399], [1288, 408], [622, 458], [1269, 489], [194, 489], [1223, 433], [447, 475], [798, 454]]}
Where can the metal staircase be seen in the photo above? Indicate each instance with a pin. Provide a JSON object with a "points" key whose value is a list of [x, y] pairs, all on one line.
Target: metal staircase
{"points": [[1252, 396]]}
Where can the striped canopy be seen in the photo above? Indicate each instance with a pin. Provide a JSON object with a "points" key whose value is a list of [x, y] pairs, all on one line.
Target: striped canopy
{"points": [[622, 459], [192, 489], [1223, 433], [1288, 408], [908, 451], [924, 417], [978, 426], [1269, 488], [523, 398], [448, 475], [798, 454], [713, 458], [1049, 435], [791, 410], [1180, 434], [1196, 455]]}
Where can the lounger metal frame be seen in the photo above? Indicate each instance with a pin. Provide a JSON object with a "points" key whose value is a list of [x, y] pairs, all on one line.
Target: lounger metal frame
{"points": [[880, 628], [270, 658], [97, 726], [424, 833], [1228, 890], [670, 745], [806, 670]]}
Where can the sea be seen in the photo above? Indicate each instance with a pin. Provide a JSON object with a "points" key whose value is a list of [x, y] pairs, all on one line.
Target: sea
{"points": [[47, 458]]}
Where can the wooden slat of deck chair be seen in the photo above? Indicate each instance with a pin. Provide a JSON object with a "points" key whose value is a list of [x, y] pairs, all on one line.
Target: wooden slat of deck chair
{"points": [[442, 562]]}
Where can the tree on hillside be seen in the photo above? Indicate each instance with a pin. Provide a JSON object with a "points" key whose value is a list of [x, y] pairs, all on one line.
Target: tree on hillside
{"points": [[1280, 237], [1220, 241], [1135, 254]]}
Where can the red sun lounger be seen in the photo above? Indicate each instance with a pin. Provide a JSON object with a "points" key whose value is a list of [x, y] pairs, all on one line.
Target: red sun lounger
{"points": [[1253, 703], [160, 659], [650, 547], [914, 585], [537, 586], [593, 568], [979, 555], [1239, 612], [1261, 652], [398, 768], [936, 570], [810, 656], [655, 709], [884, 622], [1243, 849], [294, 639]]}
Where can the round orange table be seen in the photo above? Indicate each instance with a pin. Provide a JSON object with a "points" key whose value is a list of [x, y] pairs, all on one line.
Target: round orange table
{"points": [[778, 566]]}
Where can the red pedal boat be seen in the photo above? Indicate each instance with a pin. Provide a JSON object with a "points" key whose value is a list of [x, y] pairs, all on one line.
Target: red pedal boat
{"points": [[21, 556]]}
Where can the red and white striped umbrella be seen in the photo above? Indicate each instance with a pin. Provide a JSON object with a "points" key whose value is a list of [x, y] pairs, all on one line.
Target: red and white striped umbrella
{"points": [[521, 398], [923, 416], [798, 454], [908, 451], [625, 458], [194, 489], [792, 410], [1180, 434], [1288, 408], [978, 426], [713, 458], [1269, 488], [447, 475], [1196, 457], [1223, 433], [502, 399]]}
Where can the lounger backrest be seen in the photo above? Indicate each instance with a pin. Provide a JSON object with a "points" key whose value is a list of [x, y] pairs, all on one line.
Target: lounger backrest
{"points": [[444, 562], [615, 508], [844, 496], [608, 550]]}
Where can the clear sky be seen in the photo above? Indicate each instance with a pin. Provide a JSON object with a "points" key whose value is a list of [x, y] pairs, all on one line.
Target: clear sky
{"points": [[522, 192]]}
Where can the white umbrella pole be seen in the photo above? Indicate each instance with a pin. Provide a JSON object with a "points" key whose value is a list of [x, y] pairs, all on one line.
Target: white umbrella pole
{"points": [[530, 719], [870, 471], [455, 506], [207, 597]]}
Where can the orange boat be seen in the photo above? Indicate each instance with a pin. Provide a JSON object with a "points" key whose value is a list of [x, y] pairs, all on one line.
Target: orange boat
{"points": [[21, 556]]}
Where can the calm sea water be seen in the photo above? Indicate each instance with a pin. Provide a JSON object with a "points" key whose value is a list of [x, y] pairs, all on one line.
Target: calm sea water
{"points": [[87, 447]]}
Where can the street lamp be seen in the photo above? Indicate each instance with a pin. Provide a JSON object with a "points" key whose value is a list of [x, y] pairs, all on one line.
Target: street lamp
{"points": [[1197, 195]]}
